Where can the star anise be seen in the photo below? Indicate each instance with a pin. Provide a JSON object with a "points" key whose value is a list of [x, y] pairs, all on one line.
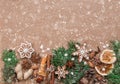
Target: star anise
{"points": [[70, 64]]}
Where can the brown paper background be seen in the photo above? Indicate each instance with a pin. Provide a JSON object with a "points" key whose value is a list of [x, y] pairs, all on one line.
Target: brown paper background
{"points": [[52, 23]]}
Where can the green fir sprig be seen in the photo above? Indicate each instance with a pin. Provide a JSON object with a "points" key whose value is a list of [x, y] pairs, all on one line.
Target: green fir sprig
{"points": [[60, 58], [114, 77], [10, 62]]}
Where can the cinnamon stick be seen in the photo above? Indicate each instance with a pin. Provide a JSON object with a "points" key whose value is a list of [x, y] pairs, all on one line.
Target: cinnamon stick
{"points": [[48, 61], [52, 77]]}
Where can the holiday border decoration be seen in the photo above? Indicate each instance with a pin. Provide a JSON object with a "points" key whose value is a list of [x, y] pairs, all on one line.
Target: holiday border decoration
{"points": [[76, 64]]}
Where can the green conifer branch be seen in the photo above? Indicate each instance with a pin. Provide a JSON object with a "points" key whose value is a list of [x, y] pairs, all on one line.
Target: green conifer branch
{"points": [[114, 77], [10, 62], [59, 59]]}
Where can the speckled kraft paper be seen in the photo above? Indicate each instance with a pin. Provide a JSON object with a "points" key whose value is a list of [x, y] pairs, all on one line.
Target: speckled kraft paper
{"points": [[52, 23]]}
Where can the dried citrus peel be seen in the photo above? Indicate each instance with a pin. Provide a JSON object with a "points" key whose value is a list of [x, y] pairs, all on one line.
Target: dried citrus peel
{"points": [[108, 57], [104, 69]]}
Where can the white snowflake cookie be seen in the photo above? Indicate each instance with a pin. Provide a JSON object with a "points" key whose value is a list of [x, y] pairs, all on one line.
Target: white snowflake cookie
{"points": [[25, 50], [81, 52], [61, 72]]}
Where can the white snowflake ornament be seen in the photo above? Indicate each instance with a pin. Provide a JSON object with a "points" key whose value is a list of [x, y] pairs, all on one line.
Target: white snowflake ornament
{"points": [[61, 72], [25, 50], [81, 52]]}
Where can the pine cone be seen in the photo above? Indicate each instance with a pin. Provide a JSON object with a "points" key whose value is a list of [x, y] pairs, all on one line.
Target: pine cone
{"points": [[35, 58], [26, 64]]}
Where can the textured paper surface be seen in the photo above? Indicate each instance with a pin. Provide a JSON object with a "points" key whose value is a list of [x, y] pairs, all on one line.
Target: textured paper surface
{"points": [[52, 23]]}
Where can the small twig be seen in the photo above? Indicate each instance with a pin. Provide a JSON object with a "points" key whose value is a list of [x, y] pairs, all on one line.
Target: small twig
{"points": [[98, 51], [52, 77]]}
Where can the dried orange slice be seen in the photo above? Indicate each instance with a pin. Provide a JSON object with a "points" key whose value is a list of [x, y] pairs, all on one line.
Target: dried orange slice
{"points": [[104, 69], [108, 57]]}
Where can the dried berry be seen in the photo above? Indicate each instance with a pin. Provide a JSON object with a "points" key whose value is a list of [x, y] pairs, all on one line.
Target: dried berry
{"points": [[39, 79]]}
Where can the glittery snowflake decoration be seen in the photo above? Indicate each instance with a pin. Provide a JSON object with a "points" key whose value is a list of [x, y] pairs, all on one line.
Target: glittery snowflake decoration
{"points": [[81, 52], [25, 50], [61, 72]]}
